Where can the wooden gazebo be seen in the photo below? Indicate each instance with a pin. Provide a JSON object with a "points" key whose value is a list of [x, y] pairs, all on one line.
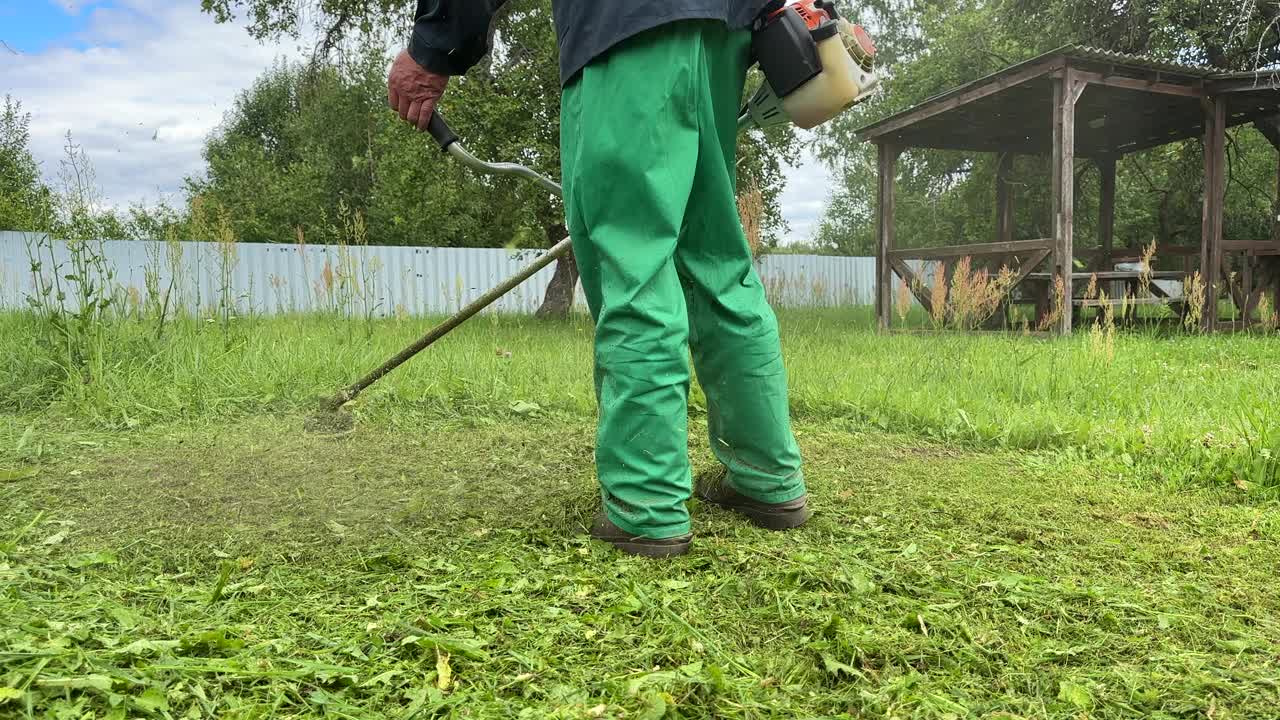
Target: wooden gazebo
{"points": [[1074, 102]]}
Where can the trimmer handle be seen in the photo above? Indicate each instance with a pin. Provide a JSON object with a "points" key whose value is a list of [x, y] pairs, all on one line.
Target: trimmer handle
{"points": [[439, 130]]}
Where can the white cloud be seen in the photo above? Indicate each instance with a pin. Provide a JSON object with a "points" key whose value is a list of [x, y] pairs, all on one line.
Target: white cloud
{"points": [[804, 200], [140, 90]]}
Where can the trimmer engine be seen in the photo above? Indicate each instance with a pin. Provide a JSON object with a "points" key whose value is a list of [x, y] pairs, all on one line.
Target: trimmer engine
{"points": [[816, 64]]}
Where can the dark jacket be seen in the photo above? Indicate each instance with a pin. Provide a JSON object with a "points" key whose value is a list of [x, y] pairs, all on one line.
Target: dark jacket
{"points": [[450, 36]]}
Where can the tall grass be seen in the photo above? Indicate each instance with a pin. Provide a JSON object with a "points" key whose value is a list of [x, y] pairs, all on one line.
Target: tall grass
{"points": [[1183, 408], [1194, 291], [1267, 316]]}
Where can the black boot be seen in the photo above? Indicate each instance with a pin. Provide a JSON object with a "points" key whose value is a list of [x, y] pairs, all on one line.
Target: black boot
{"points": [[604, 529], [714, 488]]}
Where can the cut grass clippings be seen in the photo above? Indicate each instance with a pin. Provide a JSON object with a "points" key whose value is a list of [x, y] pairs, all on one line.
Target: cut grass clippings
{"points": [[252, 571], [1049, 532]]}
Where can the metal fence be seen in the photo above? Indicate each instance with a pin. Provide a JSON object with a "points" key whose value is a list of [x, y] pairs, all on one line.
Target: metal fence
{"points": [[254, 278]]}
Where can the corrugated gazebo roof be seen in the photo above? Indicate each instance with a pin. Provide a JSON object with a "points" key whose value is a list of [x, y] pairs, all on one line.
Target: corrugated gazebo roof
{"points": [[1131, 103]]}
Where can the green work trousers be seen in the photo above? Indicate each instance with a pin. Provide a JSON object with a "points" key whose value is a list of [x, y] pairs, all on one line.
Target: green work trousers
{"points": [[648, 142]]}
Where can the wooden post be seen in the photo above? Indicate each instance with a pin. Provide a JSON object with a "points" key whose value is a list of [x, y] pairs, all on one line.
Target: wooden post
{"points": [[1246, 280], [1107, 212], [888, 168], [1004, 198], [1066, 90], [1215, 122]]}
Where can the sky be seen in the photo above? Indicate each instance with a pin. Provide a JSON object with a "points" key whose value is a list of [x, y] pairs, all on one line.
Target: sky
{"points": [[140, 83]]}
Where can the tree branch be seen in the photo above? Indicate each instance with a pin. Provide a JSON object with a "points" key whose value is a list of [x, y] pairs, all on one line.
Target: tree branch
{"points": [[1147, 178], [332, 36], [1233, 153]]}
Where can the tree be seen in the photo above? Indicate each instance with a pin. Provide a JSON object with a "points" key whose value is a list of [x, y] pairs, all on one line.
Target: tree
{"points": [[25, 201], [332, 20], [307, 143], [509, 106]]}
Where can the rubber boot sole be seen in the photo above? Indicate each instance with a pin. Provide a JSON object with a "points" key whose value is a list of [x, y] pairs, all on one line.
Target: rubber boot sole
{"points": [[649, 550]]}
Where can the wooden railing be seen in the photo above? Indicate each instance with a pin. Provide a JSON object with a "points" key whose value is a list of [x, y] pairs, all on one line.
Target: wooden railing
{"points": [[1252, 247], [1011, 247], [1031, 253]]}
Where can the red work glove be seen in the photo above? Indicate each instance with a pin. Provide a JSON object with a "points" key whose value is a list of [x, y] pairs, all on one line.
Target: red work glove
{"points": [[413, 90]]}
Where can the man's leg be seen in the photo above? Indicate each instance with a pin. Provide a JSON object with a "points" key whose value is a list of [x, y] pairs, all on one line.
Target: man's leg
{"points": [[629, 148], [733, 330]]}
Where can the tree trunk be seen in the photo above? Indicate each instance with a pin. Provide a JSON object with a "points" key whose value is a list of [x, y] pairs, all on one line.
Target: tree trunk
{"points": [[558, 302], [1275, 209], [1165, 232]]}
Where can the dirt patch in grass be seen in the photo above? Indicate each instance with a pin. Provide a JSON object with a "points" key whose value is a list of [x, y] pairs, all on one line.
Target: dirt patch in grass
{"points": [[329, 420], [269, 482], [1150, 521]]}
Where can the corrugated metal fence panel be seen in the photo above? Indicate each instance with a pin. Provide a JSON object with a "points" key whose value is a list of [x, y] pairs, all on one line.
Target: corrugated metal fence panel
{"points": [[377, 281], [15, 275], [818, 280]]}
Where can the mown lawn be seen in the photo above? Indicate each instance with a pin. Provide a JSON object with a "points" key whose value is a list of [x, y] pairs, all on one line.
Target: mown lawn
{"points": [[174, 544]]}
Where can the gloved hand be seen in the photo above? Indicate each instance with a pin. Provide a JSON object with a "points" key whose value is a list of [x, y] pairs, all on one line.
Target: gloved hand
{"points": [[413, 90]]}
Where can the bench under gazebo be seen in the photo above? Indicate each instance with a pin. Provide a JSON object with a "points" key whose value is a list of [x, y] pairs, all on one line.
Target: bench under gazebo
{"points": [[1078, 102]]}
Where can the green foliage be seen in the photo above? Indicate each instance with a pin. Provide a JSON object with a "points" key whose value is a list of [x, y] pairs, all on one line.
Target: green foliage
{"points": [[25, 201], [304, 141], [73, 294], [508, 108], [1226, 34], [334, 19], [305, 137]]}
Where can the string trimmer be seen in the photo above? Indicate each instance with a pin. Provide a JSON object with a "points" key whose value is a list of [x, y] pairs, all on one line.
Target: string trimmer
{"points": [[816, 65]]}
